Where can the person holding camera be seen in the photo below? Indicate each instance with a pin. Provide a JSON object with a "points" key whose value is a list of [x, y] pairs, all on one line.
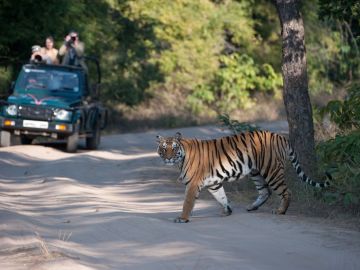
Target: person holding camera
{"points": [[38, 56], [50, 51], [72, 51]]}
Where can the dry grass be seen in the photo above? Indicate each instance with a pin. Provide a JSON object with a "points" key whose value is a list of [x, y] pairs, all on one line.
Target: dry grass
{"points": [[267, 108], [64, 236], [163, 111], [43, 247], [33, 254], [325, 130], [168, 110]]}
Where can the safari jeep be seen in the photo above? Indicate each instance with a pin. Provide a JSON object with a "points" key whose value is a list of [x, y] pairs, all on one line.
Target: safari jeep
{"points": [[53, 101]]}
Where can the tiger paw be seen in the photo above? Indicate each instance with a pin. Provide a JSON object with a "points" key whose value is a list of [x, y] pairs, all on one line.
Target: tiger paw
{"points": [[278, 212], [181, 220], [251, 208]]}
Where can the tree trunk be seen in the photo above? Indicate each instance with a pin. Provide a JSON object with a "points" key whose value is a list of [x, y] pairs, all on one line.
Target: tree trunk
{"points": [[295, 92]]}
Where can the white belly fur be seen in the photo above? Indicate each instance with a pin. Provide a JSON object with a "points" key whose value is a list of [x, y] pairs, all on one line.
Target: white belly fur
{"points": [[210, 181]]}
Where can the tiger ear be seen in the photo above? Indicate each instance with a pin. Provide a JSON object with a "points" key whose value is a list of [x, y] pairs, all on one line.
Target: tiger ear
{"points": [[178, 136], [159, 138]]}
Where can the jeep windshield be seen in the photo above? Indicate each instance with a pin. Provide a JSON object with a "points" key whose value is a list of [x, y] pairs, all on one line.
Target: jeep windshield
{"points": [[47, 82]]}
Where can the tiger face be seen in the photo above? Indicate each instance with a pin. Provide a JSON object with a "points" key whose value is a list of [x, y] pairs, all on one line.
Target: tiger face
{"points": [[170, 149]]}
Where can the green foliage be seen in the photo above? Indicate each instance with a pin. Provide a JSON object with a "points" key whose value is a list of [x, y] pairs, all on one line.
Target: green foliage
{"points": [[343, 17], [340, 9], [25, 23], [193, 35], [342, 156], [267, 29], [346, 113], [342, 153], [215, 54], [233, 84], [146, 46], [234, 125], [5, 79], [322, 46]]}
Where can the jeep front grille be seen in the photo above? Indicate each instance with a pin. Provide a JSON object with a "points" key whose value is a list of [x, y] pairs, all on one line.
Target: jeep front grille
{"points": [[35, 113]]}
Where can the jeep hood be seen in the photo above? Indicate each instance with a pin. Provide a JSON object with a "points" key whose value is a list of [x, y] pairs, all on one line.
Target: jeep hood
{"points": [[51, 101]]}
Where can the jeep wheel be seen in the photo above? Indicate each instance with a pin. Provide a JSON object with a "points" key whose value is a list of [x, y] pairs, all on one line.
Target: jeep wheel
{"points": [[9, 139], [93, 142], [72, 142]]}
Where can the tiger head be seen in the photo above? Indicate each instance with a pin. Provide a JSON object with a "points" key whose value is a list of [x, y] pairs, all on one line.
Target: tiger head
{"points": [[170, 149]]}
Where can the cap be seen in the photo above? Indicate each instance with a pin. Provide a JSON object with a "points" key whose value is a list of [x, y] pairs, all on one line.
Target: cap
{"points": [[35, 48], [73, 33]]}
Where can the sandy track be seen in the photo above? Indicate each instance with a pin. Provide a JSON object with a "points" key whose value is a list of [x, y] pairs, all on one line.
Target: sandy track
{"points": [[113, 209]]}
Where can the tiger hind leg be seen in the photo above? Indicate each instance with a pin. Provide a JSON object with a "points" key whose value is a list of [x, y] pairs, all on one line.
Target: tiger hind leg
{"points": [[219, 194], [262, 188], [285, 198], [277, 183]]}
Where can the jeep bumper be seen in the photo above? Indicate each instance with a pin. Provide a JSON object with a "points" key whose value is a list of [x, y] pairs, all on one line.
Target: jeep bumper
{"points": [[35, 127]]}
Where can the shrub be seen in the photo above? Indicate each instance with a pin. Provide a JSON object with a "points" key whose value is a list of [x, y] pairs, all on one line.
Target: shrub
{"points": [[342, 153], [346, 113], [341, 156]]}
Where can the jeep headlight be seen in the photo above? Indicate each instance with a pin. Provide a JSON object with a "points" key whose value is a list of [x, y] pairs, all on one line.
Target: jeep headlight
{"points": [[11, 110], [62, 115]]}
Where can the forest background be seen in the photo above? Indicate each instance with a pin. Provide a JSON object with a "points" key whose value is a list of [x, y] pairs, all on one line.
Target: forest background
{"points": [[184, 62]]}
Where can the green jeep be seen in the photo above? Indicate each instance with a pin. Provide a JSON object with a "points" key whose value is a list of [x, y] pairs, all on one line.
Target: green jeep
{"points": [[53, 101]]}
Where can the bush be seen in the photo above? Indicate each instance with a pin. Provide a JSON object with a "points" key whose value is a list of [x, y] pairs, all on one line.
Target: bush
{"points": [[341, 156], [346, 113], [342, 153]]}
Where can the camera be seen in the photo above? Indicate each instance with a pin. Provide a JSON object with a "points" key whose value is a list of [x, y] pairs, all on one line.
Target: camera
{"points": [[71, 41], [38, 58]]}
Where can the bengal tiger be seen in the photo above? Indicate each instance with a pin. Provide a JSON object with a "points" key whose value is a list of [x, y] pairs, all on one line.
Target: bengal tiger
{"points": [[209, 163]]}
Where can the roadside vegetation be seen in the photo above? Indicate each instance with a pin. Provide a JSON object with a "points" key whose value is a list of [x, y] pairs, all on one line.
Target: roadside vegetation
{"points": [[191, 59]]}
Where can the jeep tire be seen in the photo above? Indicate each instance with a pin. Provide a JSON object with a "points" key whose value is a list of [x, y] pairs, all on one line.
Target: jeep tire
{"points": [[72, 142], [8, 139], [93, 142]]}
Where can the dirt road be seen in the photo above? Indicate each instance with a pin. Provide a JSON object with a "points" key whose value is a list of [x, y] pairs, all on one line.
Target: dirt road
{"points": [[113, 209]]}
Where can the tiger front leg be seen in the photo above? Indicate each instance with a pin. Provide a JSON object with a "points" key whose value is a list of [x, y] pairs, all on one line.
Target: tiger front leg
{"points": [[219, 194], [191, 193]]}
